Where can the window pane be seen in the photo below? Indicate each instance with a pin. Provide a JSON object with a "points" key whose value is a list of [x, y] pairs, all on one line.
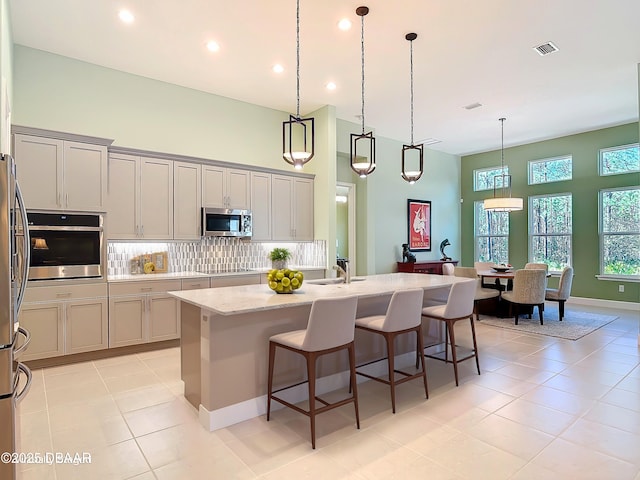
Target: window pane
{"points": [[621, 255], [491, 223], [554, 250], [551, 215], [492, 249], [483, 179], [621, 211], [550, 170], [620, 160]]}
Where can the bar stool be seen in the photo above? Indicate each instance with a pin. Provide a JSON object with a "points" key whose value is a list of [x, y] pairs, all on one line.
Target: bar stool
{"points": [[481, 293], [458, 307], [403, 316], [331, 328]]}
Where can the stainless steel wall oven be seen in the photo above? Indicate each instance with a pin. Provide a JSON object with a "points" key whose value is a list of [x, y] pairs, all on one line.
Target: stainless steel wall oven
{"points": [[66, 245]]}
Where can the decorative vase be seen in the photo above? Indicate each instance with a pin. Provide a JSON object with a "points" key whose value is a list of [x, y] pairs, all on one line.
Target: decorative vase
{"points": [[278, 264]]}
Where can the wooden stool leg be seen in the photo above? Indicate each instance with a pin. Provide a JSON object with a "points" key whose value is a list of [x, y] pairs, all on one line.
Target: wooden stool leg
{"points": [[422, 361], [311, 375], [352, 380], [272, 357], [452, 337], [391, 364], [475, 344]]}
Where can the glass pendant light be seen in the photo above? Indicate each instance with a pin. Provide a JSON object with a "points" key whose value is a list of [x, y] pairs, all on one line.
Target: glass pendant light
{"points": [[504, 202], [412, 154], [362, 152], [298, 136]]}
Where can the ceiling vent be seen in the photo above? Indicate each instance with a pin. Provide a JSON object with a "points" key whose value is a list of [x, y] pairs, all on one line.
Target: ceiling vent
{"points": [[429, 141], [471, 106], [545, 49]]}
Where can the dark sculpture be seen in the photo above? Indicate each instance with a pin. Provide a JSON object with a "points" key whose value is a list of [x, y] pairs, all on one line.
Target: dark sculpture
{"points": [[443, 244], [407, 256]]}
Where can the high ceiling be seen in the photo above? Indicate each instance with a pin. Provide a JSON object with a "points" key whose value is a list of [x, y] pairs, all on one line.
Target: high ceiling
{"points": [[467, 51]]}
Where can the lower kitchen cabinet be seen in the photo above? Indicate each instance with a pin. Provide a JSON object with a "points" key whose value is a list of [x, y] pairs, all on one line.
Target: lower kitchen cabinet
{"points": [[234, 280], [65, 319]]}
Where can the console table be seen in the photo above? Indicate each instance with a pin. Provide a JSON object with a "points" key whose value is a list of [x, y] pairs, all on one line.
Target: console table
{"points": [[432, 266]]}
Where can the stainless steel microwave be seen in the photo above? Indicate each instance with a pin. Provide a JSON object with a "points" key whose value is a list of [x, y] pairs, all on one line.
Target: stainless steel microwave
{"points": [[226, 222]]}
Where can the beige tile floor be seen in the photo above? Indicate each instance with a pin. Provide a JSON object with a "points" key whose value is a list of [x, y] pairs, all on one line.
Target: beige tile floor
{"points": [[543, 408]]}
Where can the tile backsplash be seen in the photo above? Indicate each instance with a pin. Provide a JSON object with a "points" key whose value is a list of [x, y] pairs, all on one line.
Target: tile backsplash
{"points": [[215, 255]]}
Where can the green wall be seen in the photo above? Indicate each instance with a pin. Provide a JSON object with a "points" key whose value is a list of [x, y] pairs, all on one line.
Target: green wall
{"points": [[584, 187]]}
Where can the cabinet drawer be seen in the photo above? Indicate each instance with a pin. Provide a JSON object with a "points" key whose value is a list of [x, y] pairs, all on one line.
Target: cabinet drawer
{"points": [[195, 283], [141, 287], [62, 292], [234, 280]]}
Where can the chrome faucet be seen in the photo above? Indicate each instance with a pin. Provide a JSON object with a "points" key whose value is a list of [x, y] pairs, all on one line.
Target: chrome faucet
{"points": [[344, 271]]}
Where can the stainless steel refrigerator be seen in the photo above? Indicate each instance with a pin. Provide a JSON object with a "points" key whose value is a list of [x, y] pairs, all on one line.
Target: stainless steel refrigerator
{"points": [[14, 269]]}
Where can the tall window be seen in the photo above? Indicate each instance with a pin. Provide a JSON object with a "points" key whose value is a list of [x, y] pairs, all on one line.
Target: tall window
{"points": [[483, 178], [550, 230], [620, 231], [623, 159], [550, 170], [491, 231]]}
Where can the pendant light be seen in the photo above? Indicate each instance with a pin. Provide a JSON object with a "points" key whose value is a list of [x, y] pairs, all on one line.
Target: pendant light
{"points": [[504, 202], [362, 163], [412, 153], [298, 136]]}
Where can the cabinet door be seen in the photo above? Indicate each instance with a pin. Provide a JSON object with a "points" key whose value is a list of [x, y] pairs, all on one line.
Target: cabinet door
{"points": [[281, 208], [85, 176], [86, 325], [213, 189], [186, 201], [238, 189], [123, 193], [39, 169], [234, 280], [126, 321], [45, 323], [163, 318], [156, 199], [261, 205], [302, 205]]}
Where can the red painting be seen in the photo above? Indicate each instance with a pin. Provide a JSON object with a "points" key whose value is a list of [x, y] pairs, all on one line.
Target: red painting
{"points": [[419, 224]]}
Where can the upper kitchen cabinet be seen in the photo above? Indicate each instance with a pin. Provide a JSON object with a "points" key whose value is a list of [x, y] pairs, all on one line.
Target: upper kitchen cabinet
{"points": [[59, 174], [225, 187], [261, 206], [291, 208], [140, 199], [187, 201]]}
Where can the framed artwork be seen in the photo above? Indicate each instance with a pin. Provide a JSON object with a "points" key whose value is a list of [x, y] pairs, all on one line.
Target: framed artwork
{"points": [[419, 225]]}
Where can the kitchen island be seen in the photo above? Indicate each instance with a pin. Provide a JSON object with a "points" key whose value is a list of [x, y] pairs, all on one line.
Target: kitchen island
{"points": [[225, 336]]}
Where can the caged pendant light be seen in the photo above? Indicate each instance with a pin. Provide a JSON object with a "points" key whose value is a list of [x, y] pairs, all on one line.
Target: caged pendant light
{"points": [[504, 202], [298, 136], [362, 163], [412, 154]]}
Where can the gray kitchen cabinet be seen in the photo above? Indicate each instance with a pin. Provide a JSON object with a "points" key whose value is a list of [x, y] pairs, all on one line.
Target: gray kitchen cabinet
{"points": [[65, 319], [261, 205], [142, 312], [292, 208], [140, 198], [225, 187], [59, 174], [234, 280], [187, 201], [196, 283]]}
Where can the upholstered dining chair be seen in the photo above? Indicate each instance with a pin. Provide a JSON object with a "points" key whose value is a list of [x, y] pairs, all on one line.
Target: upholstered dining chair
{"points": [[541, 266], [330, 328], [562, 293], [529, 287], [403, 316], [481, 293], [458, 307], [447, 268]]}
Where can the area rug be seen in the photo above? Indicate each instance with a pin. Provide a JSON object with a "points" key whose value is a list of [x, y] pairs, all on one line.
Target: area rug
{"points": [[574, 325]]}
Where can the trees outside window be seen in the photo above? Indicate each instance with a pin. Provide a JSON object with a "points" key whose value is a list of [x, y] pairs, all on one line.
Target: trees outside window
{"points": [[491, 231], [550, 170], [483, 178], [622, 159], [620, 231], [550, 230]]}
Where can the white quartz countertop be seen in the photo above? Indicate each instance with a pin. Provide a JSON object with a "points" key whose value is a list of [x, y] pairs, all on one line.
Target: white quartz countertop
{"points": [[180, 275], [253, 298]]}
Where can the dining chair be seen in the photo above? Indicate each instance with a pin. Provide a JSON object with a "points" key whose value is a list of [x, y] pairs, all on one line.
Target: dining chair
{"points": [[330, 328], [481, 293], [458, 307], [541, 266], [403, 316], [562, 293], [447, 268], [529, 286]]}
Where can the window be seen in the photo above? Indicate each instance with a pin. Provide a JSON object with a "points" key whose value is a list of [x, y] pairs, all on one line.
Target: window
{"points": [[623, 159], [483, 178], [550, 230], [620, 231], [491, 235], [550, 170]]}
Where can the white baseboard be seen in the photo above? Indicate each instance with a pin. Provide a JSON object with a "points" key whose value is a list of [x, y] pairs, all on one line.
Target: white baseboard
{"points": [[597, 302]]}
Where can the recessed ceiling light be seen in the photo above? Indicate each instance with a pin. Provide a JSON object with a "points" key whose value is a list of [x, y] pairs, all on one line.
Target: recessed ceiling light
{"points": [[331, 86], [277, 68], [344, 24], [126, 16], [471, 106], [213, 46]]}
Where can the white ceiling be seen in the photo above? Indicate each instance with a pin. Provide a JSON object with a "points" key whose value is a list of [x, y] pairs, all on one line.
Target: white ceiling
{"points": [[467, 51]]}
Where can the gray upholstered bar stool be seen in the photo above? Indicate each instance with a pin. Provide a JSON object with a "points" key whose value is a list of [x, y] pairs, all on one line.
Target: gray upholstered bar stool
{"points": [[331, 328], [403, 316], [481, 292], [458, 307], [447, 268]]}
